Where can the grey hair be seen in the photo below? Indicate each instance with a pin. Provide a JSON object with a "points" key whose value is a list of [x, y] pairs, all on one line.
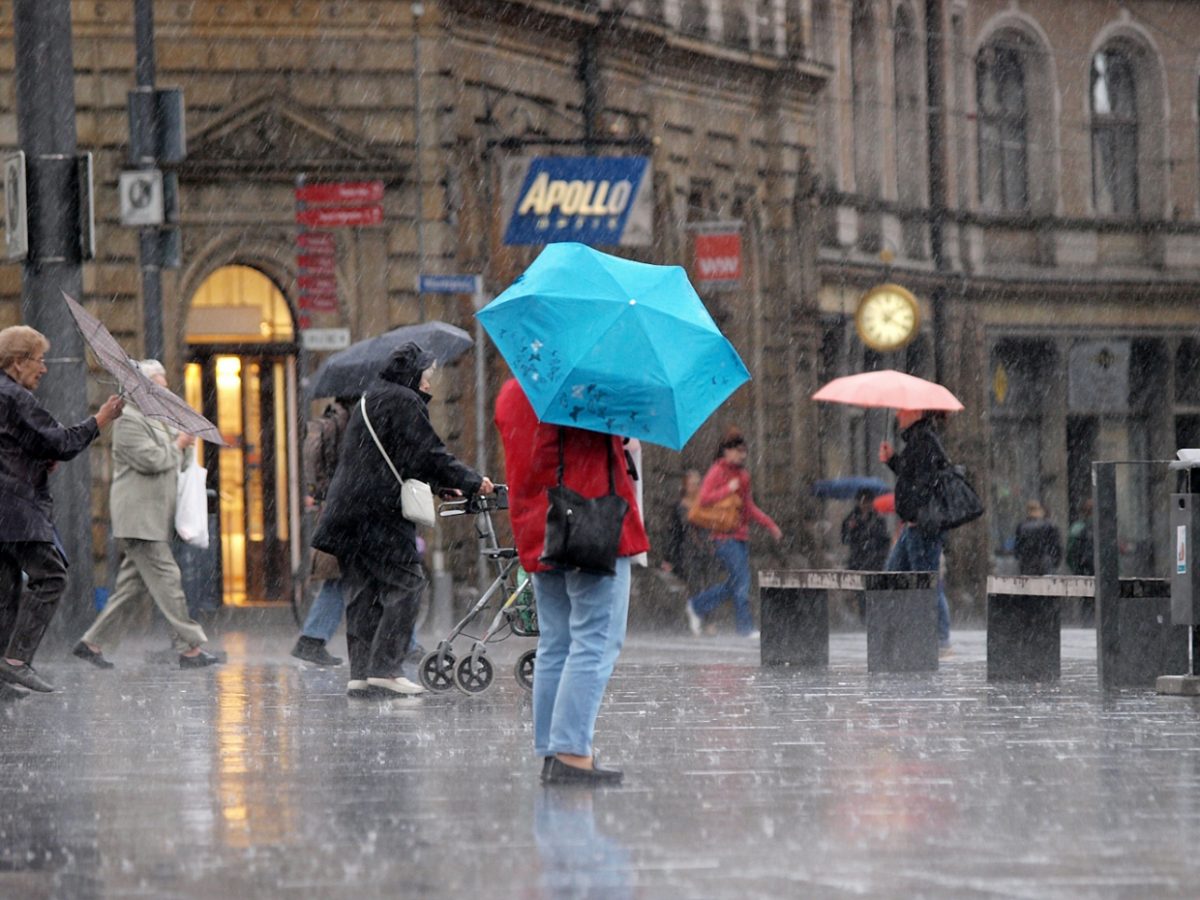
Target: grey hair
{"points": [[152, 367]]}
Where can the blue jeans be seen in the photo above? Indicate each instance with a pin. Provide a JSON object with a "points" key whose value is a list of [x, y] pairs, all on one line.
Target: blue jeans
{"points": [[582, 620], [918, 552], [325, 614], [735, 557]]}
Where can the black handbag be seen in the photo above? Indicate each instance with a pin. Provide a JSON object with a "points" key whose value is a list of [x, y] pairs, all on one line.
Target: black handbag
{"points": [[584, 534], [952, 502]]}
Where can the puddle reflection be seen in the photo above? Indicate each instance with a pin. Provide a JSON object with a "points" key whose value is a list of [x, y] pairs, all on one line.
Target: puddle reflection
{"points": [[578, 860]]}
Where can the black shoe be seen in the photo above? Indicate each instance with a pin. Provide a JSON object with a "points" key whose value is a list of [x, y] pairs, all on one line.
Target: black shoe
{"points": [[24, 676], [313, 651], [199, 661], [10, 693], [95, 657], [558, 772]]}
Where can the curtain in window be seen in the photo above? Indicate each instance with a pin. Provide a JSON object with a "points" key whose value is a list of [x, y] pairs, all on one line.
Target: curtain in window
{"points": [[1114, 133]]}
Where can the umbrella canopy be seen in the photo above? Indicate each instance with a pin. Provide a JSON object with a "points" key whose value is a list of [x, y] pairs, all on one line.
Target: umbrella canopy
{"points": [[848, 488], [154, 400], [889, 389], [348, 372], [615, 346]]}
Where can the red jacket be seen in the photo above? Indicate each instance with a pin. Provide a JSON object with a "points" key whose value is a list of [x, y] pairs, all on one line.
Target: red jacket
{"points": [[716, 487], [531, 468]]}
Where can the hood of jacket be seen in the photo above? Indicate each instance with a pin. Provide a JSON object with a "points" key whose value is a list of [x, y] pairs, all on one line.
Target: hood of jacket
{"points": [[405, 366]]}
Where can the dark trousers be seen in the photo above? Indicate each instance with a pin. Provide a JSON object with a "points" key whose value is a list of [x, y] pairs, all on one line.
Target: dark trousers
{"points": [[380, 614], [26, 610]]}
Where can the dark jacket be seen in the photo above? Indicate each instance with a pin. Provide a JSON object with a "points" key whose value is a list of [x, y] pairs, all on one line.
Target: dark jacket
{"points": [[1038, 547], [362, 514], [30, 440], [866, 535], [916, 468]]}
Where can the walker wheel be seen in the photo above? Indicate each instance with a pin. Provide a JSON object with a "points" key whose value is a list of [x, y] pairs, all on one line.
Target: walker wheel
{"points": [[523, 670], [474, 675], [435, 676]]}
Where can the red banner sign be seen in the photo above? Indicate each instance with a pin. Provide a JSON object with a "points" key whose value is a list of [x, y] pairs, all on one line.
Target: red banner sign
{"points": [[318, 302], [340, 216], [316, 241], [315, 263], [341, 192], [321, 284], [719, 257]]}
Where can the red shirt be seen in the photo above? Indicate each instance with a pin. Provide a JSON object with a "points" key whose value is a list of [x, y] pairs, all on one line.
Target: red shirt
{"points": [[531, 468], [716, 487]]}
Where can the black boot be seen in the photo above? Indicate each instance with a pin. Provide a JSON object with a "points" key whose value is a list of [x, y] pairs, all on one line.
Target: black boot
{"points": [[313, 651]]}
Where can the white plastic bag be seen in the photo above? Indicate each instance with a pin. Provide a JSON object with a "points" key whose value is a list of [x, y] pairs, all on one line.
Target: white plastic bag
{"points": [[191, 506]]}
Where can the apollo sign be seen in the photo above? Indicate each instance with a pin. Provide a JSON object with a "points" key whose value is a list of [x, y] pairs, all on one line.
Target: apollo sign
{"points": [[590, 199]]}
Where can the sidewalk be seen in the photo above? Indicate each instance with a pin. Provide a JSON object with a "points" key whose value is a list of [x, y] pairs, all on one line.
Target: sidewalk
{"points": [[259, 778]]}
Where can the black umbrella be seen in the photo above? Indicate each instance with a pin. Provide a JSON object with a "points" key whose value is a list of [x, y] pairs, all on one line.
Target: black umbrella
{"points": [[154, 400], [348, 372]]}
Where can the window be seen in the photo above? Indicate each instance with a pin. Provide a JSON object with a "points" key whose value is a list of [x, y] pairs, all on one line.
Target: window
{"points": [[1003, 170], [1114, 133], [864, 61], [910, 110], [693, 18]]}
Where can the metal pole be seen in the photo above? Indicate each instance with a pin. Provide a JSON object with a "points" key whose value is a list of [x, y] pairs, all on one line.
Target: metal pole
{"points": [[418, 9], [144, 134], [45, 93], [1108, 575], [935, 89], [481, 457]]}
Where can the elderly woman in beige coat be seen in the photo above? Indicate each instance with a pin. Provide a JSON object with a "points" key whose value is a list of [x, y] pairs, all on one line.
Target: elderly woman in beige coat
{"points": [[147, 458]]}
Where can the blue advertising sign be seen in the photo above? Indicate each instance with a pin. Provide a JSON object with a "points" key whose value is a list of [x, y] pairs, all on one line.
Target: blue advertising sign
{"points": [[596, 200]]}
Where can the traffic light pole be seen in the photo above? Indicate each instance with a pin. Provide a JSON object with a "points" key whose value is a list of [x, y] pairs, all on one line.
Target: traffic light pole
{"points": [[45, 93]]}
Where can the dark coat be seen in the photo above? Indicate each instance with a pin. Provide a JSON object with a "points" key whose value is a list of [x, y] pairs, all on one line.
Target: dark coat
{"points": [[1038, 547], [30, 440], [362, 514], [916, 468], [866, 534]]}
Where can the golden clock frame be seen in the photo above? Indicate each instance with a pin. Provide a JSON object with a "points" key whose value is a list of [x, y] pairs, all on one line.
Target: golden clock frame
{"points": [[900, 291]]}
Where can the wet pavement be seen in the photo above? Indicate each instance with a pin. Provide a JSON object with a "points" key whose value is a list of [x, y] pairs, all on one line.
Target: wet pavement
{"points": [[260, 779]]}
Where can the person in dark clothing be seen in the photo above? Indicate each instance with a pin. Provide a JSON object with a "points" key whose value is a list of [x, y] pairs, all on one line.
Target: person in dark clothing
{"points": [[1037, 545], [916, 468], [866, 534], [688, 550], [363, 525], [1081, 542], [32, 443]]}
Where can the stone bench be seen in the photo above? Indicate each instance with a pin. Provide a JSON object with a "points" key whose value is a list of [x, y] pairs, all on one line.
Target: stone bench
{"points": [[1024, 629], [901, 617]]}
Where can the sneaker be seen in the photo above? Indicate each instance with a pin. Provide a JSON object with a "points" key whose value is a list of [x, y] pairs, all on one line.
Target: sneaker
{"points": [[25, 676], [358, 688], [945, 651], [313, 651], [695, 623], [752, 635], [396, 685], [199, 661], [95, 657]]}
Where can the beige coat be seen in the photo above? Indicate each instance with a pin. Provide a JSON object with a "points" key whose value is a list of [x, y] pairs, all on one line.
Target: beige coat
{"points": [[146, 466]]}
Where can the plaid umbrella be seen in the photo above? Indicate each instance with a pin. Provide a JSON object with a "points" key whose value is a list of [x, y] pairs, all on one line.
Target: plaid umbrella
{"points": [[155, 401]]}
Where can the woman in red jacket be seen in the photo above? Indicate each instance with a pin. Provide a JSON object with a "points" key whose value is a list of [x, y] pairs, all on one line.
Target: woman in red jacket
{"points": [[728, 475], [581, 616]]}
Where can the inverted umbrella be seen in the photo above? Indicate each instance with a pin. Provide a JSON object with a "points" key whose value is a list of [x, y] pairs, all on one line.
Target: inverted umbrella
{"points": [[154, 400], [612, 345], [889, 389], [848, 488], [348, 372]]}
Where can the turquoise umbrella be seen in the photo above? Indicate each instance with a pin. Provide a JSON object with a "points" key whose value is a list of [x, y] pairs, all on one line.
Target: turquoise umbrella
{"points": [[611, 345]]}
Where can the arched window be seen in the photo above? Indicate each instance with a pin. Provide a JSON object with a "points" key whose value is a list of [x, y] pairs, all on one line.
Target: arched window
{"points": [[864, 59], [1003, 121], [1114, 133], [910, 106]]}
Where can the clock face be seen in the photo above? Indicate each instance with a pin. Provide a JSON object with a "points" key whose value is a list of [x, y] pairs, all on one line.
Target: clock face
{"points": [[887, 317]]}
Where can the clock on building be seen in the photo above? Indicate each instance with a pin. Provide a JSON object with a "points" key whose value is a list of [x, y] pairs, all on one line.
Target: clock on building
{"points": [[887, 317]]}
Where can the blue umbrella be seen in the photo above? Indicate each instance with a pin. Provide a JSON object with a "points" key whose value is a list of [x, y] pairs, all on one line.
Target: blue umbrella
{"points": [[611, 345], [848, 488]]}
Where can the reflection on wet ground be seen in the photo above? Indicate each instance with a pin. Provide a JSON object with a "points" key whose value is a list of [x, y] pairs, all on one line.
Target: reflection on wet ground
{"points": [[259, 778]]}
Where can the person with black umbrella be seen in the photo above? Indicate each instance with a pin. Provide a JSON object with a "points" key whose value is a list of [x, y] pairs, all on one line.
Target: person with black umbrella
{"points": [[363, 524]]}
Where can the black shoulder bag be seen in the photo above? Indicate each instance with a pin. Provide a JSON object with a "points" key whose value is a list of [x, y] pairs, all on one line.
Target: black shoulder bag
{"points": [[584, 534], [952, 502]]}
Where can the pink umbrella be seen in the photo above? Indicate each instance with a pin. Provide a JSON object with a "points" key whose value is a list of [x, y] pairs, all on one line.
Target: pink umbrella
{"points": [[888, 389]]}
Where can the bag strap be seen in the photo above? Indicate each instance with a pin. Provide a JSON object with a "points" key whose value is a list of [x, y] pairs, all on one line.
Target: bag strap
{"points": [[562, 440], [387, 459]]}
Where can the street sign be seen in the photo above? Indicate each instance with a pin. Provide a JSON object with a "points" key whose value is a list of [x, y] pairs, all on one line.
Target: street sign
{"points": [[340, 216], [325, 338], [316, 241], [315, 301], [341, 192], [718, 257], [317, 263], [141, 197], [16, 225], [448, 284], [319, 284]]}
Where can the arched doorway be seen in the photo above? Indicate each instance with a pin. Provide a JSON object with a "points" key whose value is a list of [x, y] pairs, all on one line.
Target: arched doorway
{"points": [[241, 371]]}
